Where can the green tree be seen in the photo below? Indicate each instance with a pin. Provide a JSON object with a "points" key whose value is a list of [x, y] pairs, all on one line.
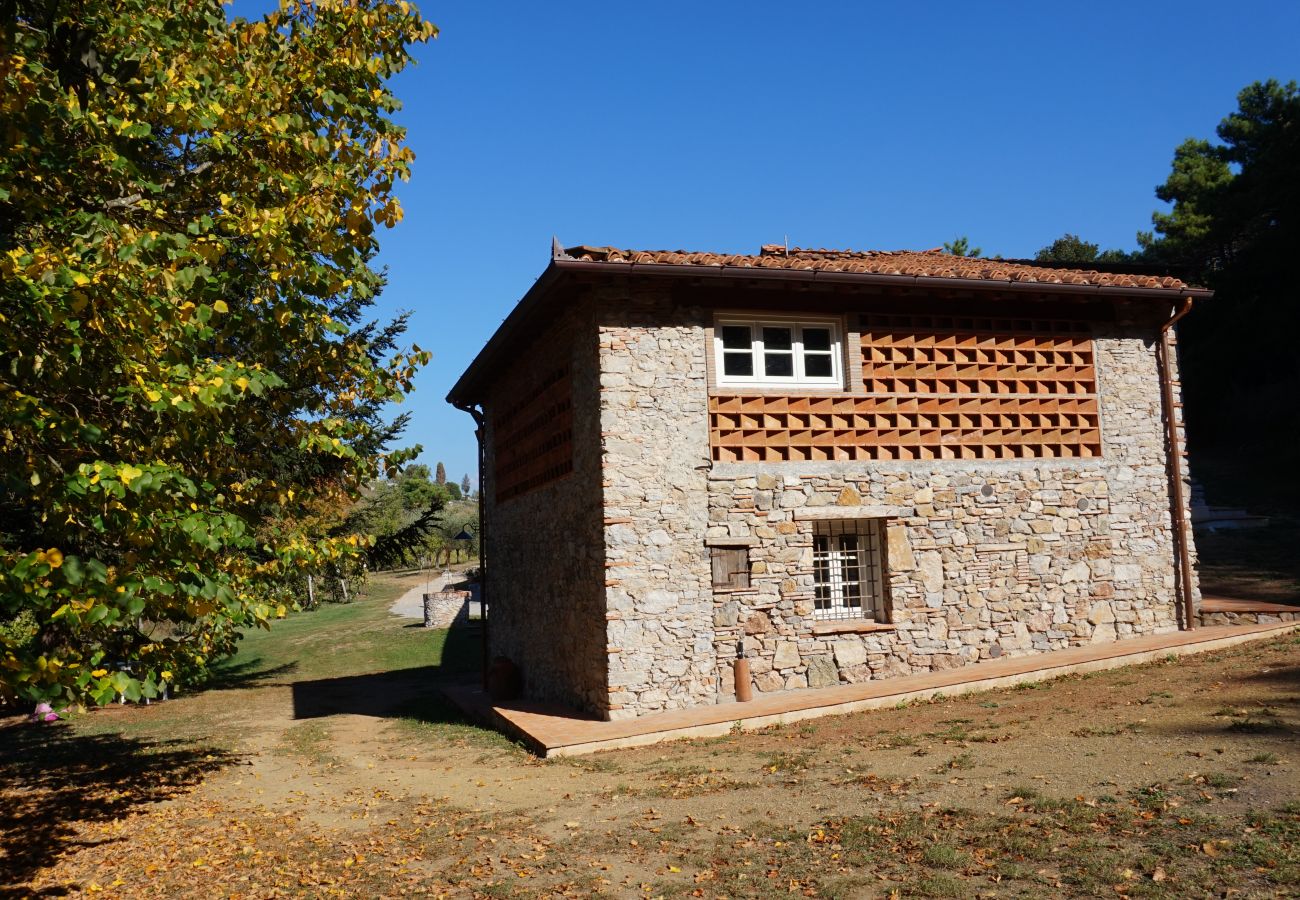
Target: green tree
{"points": [[960, 246], [418, 493], [403, 514], [466, 486], [1070, 248], [190, 392], [1233, 225], [1240, 195], [459, 519]]}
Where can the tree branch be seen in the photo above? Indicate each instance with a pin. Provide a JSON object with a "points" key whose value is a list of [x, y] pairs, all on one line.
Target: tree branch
{"points": [[132, 199]]}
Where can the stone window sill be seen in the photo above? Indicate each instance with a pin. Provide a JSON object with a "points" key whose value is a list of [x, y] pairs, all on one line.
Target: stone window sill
{"points": [[843, 627], [730, 591]]}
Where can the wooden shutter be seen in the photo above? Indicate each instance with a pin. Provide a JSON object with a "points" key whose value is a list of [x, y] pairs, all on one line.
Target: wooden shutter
{"points": [[730, 567]]}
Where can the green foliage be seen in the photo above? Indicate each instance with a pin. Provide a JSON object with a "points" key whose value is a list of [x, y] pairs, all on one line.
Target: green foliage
{"points": [[403, 514], [1070, 248], [466, 486], [1234, 225], [1200, 175], [459, 519], [1237, 197], [189, 392], [960, 246]]}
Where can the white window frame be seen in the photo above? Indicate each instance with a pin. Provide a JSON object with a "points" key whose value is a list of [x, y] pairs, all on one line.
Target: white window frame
{"points": [[854, 582], [755, 324]]}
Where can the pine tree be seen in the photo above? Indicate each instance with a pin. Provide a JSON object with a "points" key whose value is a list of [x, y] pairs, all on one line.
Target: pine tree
{"points": [[960, 246], [441, 475]]}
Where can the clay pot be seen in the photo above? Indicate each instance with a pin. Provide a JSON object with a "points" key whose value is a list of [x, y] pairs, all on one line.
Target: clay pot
{"points": [[503, 680]]}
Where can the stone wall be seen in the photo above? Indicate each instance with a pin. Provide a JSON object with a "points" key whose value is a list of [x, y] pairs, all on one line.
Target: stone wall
{"points": [[985, 559], [443, 609], [654, 428], [545, 565], [1036, 564], [1225, 617]]}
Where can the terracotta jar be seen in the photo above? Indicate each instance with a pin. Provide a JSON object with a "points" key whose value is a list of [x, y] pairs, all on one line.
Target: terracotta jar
{"points": [[503, 680]]}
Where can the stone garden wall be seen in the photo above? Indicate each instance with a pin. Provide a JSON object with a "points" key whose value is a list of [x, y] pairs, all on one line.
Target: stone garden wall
{"points": [[443, 609]]}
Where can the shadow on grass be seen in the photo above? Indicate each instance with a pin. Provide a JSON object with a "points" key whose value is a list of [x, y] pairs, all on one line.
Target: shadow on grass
{"points": [[246, 674], [54, 781], [1282, 676], [399, 694]]}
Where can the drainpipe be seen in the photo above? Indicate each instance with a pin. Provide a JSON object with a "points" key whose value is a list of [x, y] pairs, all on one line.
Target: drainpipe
{"points": [[479, 435], [1182, 553]]}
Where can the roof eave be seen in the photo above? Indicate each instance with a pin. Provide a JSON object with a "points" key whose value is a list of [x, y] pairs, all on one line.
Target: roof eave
{"points": [[833, 277], [467, 385]]}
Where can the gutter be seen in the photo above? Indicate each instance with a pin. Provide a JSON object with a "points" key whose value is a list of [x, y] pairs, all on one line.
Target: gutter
{"points": [[477, 414], [1173, 465]]}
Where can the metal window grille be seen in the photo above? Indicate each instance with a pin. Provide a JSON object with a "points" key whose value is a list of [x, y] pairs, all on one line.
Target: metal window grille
{"points": [[848, 570]]}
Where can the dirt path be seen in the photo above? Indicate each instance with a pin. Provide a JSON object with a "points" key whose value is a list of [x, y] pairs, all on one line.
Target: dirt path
{"points": [[368, 785]]}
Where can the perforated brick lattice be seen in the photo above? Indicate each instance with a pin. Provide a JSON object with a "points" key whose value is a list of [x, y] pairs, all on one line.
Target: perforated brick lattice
{"points": [[933, 387], [534, 438]]}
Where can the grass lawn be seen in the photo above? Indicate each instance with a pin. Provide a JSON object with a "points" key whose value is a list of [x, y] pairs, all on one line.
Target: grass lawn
{"points": [[322, 763], [346, 639]]}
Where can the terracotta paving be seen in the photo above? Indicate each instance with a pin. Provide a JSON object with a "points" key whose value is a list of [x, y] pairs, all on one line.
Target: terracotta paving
{"points": [[1233, 605], [550, 729]]}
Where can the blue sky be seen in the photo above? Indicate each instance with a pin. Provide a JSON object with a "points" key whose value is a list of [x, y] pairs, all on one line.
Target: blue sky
{"points": [[723, 126]]}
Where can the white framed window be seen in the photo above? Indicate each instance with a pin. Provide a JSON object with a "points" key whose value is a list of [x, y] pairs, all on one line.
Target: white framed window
{"points": [[849, 570], [778, 351]]}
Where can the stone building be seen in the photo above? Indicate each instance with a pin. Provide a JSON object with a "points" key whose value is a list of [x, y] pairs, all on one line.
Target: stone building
{"points": [[842, 465]]}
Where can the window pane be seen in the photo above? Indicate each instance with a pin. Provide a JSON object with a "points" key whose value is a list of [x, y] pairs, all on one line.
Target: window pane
{"points": [[777, 339], [817, 339], [778, 365], [736, 337], [821, 572], [738, 363], [846, 571], [817, 365]]}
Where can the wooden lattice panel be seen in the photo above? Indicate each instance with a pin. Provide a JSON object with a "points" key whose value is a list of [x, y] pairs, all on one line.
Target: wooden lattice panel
{"points": [[534, 437], [933, 387]]}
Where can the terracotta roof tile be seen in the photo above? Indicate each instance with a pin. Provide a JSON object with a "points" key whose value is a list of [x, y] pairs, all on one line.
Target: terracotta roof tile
{"points": [[914, 263]]}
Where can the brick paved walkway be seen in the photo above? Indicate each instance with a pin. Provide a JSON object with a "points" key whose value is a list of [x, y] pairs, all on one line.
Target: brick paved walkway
{"points": [[550, 729]]}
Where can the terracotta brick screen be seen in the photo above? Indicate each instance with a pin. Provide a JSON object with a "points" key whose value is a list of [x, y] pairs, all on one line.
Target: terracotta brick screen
{"points": [[534, 437], [933, 387]]}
